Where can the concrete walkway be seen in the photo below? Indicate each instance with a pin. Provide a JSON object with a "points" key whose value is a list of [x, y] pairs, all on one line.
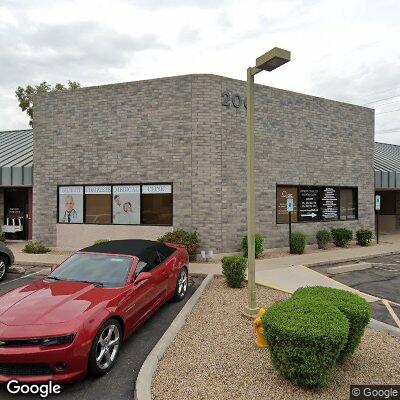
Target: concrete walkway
{"points": [[286, 273]]}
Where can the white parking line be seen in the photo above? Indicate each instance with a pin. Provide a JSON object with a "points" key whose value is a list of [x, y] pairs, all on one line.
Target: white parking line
{"points": [[21, 277]]}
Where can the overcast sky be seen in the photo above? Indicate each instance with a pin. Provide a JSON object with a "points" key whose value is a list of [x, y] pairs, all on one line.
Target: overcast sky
{"points": [[347, 50]]}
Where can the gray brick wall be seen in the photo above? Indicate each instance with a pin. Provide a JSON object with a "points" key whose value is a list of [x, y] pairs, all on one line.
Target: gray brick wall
{"points": [[176, 129]]}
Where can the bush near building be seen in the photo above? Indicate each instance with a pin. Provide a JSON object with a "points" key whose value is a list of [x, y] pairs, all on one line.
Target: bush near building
{"points": [[259, 245], [355, 308], [234, 270], [2, 236], [341, 236], [179, 236], [313, 331], [298, 241], [101, 241], [305, 339], [364, 237], [324, 238], [35, 248]]}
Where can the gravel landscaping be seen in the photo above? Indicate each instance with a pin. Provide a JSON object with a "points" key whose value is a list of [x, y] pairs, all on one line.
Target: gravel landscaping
{"points": [[214, 356]]}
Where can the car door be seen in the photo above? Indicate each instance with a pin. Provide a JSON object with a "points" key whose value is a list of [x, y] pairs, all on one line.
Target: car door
{"points": [[148, 294]]}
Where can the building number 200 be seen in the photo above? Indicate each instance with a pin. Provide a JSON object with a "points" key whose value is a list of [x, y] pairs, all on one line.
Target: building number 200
{"points": [[234, 99]]}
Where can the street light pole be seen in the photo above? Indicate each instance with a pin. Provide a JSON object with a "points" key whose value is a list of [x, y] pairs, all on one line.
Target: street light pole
{"points": [[251, 308], [268, 62]]}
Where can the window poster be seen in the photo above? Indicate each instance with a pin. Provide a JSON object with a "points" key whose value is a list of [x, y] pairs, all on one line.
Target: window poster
{"points": [[157, 189], [330, 203], [308, 203], [70, 201], [126, 204], [282, 194]]}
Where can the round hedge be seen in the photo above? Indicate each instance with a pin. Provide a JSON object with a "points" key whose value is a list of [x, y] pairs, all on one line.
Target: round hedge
{"points": [[354, 307], [305, 339]]}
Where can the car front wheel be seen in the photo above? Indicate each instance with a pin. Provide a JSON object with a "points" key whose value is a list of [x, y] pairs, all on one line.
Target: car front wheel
{"points": [[4, 265], [181, 284], [105, 348]]}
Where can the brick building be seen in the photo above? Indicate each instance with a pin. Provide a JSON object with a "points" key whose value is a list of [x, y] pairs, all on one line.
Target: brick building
{"points": [[137, 159]]}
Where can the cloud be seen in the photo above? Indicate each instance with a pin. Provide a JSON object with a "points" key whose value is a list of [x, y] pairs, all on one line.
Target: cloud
{"points": [[79, 49], [345, 50]]}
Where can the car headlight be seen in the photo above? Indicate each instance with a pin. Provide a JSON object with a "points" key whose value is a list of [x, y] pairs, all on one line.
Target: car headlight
{"points": [[52, 341]]}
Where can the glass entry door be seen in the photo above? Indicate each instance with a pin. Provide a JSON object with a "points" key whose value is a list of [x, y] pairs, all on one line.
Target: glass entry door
{"points": [[16, 213]]}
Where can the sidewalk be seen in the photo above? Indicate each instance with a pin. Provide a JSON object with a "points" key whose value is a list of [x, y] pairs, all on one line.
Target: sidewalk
{"points": [[286, 273]]}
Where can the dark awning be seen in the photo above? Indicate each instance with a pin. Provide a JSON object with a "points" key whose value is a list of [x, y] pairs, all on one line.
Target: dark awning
{"points": [[387, 166], [16, 158]]}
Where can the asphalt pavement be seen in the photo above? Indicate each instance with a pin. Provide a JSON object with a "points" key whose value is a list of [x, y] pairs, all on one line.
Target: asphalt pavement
{"points": [[119, 383], [382, 280]]}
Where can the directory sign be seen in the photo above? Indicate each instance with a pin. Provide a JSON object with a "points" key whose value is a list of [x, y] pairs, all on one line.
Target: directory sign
{"points": [[377, 202], [330, 203], [283, 193], [308, 202]]}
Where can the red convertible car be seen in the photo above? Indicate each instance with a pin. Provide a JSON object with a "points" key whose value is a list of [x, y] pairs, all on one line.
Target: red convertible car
{"points": [[75, 320]]}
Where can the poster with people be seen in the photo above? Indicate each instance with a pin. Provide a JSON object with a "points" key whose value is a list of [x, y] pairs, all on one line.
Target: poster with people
{"points": [[70, 201], [126, 204]]}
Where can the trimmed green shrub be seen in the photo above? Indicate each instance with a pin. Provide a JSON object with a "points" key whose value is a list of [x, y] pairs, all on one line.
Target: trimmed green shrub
{"points": [[234, 270], [35, 248], [179, 236], [259, 245], [305, 339], [364, 237], [341, 236], [101, 241], [2, 236], [298, 241], [324, 237], [354, 307]]}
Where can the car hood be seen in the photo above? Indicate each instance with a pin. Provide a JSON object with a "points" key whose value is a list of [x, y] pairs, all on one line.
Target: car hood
{"points": [[45, 302]]}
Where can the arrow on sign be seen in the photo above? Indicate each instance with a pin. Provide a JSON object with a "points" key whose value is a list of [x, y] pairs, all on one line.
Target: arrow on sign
{"points": [[312, 215]]}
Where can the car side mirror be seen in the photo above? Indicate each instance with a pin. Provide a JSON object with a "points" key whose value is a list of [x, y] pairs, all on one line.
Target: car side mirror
{"points": [[53, 267], [143, 276]]}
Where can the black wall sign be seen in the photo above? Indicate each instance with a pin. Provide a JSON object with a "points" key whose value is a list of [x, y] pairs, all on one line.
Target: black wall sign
{"points": [[308, 203], [329, 203]]}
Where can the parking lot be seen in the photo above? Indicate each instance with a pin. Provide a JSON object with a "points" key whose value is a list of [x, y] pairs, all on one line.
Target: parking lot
{"points": [[380, 279], [120, 382]]}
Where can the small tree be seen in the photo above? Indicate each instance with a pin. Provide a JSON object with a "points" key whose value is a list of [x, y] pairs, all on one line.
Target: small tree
{"points": [[25, 95]]}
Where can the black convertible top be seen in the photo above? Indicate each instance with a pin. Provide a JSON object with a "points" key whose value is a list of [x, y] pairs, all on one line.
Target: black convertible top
{"points": [[143, 249]]}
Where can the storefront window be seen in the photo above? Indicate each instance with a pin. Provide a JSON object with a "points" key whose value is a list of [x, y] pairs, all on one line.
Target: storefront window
{"points": [[70, 204], [156, 205], [98, 204], [316, 203], [348, 204], [116, 204], [126, 204]]}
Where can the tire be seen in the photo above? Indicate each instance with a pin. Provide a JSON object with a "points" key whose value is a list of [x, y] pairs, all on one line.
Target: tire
{"points": [[181, 284], [99, 366], [4, 265]]}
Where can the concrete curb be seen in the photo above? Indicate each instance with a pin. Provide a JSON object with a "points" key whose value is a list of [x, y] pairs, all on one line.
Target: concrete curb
{"points": [[382, 327], [146, 373], [348, 259]]}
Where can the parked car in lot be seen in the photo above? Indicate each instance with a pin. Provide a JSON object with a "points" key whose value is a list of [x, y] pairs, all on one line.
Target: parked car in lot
{"points": [[75, 320], [6, 260]]}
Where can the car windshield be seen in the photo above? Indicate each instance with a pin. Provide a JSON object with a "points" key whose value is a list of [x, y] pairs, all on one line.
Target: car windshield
{"points": [[99, 269]]}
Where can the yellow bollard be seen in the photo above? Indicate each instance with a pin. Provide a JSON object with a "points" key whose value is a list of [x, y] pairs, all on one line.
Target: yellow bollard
{"points": [[260, 341]]}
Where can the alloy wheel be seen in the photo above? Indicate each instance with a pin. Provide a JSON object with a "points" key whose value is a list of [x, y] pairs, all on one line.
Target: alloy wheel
{"points": [[182, 283], [107, 346], [3, 268]]}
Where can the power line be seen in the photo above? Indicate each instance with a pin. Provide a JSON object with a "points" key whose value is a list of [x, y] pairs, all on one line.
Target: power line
{"points": [[375, 93], [386, 98], [386, 112], [387, 131]]}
